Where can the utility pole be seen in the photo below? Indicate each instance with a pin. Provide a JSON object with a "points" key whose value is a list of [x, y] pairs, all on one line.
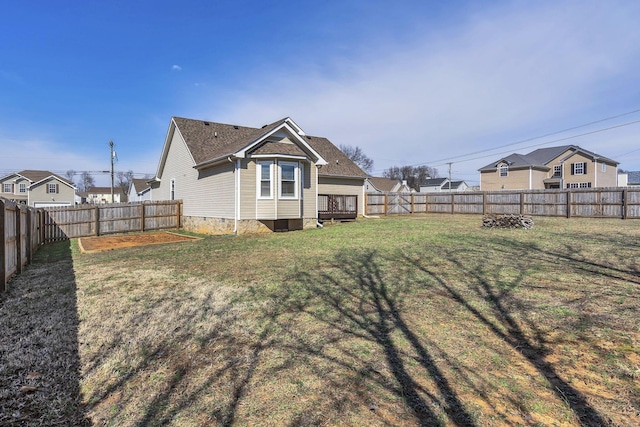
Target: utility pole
{"points": [[113, 155], [449, 176]]}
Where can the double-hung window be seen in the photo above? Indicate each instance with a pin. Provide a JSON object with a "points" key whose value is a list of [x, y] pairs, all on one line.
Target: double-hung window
{"points": [[288, 180], [504, 169], [579, 168], [172, 189], [557, 171], [22, 187], [7, 188], [52, 188], [265, 179]]}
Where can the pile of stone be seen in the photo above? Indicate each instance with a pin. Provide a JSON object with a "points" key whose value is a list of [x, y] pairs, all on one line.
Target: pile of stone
{"points": [[507, 221]]}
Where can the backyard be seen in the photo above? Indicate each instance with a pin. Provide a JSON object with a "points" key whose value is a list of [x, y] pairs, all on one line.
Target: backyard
{"points": [[417, 320]]}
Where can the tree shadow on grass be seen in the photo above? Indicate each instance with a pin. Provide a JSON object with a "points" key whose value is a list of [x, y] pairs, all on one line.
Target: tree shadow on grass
{"points": [[506, 315], [358, 302], [39, 344]]}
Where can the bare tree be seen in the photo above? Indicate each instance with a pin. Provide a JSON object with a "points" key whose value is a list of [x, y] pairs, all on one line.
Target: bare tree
{"points": [[123, 181], [70, 175], [86, 181], [358, 157], [414, 175]]}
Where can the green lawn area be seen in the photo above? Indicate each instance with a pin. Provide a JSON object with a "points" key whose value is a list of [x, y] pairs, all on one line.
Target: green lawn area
{"points": [[423, 320]]}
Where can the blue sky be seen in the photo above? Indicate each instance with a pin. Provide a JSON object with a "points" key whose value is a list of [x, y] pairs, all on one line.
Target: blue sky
{"points": [[410, 82]]}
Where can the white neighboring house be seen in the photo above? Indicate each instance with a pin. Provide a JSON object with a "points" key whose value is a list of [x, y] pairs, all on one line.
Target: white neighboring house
{"points": [[435, 185], [139, 190], [629, 179], [386, 185], [37, 188], [102, 195]]}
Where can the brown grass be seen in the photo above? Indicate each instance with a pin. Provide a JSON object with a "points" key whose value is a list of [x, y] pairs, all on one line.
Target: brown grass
{"points": [[401, 321]]}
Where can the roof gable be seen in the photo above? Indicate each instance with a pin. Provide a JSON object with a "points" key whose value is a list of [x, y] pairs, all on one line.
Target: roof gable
{"points": [[383, 184], [209, 143]]}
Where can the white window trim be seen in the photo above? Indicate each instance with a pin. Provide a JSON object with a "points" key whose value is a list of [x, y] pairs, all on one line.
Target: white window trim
{"points": [[557, 168], [21, 186], [53, 187], [503, 167], [604, 167], [259, 165], [5, 187], [575, 168], [296, 180]]}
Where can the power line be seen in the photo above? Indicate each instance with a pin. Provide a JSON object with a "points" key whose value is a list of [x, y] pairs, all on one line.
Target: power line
{"points": [[534, 145], [537, 137]]}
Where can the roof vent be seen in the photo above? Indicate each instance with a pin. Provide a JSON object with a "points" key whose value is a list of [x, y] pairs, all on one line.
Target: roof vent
{"points": [[264, 126], [235, 127], [215, 134], [206, 123]]}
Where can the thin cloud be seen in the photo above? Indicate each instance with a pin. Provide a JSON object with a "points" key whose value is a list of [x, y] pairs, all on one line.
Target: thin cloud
{"points": [[176, 68], [508, 74]]}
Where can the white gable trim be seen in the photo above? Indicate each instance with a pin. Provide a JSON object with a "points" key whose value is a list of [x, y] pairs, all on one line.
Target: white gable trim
{"points": [[54, 177], [294, 130]]}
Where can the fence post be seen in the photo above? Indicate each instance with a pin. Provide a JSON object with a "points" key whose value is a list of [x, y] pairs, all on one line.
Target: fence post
{"points": [[385, 203], [29, 244], [3, 244], [18, 239], [484, 202], [568, 203], [624, 203], [522, 203], [412, 208], [97, 211], [142, 217], [453, 204]]}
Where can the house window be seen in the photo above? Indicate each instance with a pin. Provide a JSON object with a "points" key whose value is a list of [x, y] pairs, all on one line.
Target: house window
{"points": [[504, 169], [579, 168], [557, 171], [579, 185], [265, 181], [7, 188], [604, 167], [52, 188], [22, 188], [172, 189], [288, 180]]}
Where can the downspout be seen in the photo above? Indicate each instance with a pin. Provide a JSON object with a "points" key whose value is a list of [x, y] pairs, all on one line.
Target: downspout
{"points": [[236, 194], [530, 177], [364, 207], [318, 224], [595, 172]]}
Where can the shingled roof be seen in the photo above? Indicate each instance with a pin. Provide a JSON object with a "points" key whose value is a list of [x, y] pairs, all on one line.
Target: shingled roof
{"points": [[38, 175], [541, 157], [383, 184], [209, 141]]}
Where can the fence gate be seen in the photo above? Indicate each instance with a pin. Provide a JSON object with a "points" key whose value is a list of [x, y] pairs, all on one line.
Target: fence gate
{"points": [[398, 204]]}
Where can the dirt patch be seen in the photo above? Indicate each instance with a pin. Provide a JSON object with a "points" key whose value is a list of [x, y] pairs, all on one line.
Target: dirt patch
{"points": [[105, 243]]}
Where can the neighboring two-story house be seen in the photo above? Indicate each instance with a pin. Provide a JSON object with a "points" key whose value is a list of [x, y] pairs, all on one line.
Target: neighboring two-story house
{"points": [[102, 195], [38, 188], [567, 166]]}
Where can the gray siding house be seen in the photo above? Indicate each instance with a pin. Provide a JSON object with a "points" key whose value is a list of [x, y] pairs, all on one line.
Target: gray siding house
{"points": [[241, 179]]}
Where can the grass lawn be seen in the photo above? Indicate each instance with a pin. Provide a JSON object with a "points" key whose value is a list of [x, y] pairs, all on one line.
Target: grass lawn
{"points": [[424, 320]]}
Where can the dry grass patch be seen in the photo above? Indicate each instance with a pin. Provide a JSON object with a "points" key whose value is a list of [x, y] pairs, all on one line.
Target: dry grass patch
{"points": [[401, 321]]}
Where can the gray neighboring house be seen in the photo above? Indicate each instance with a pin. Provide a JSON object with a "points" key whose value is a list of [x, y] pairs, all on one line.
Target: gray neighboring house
{"points": [[241, 179], [139, 190], [38, 188], [386, 185], [633, 179], [436, 185]]}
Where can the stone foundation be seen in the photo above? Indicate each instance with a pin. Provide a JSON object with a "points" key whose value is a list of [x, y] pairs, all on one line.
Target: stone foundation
{"points": [[216, 226]]}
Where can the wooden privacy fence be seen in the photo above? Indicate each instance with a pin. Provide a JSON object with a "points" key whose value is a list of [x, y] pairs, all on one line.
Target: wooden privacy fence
{"points": [[19, 238], [23, 229], [590, 203], [97, 220]]}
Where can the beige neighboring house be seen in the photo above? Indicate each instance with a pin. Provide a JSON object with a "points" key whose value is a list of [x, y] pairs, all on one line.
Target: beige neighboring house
{"points": [[38, 188], [242, 179], [102, 195], [375, 184], [567, 166]]}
